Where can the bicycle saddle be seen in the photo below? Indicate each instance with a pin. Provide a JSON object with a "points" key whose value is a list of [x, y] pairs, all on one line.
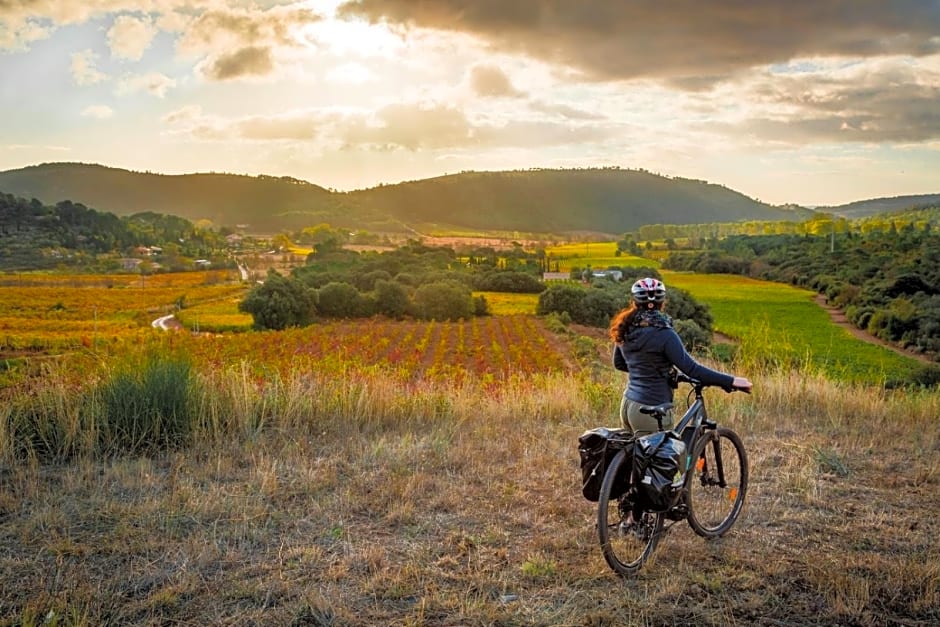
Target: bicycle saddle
{"points": [[656, 410]]}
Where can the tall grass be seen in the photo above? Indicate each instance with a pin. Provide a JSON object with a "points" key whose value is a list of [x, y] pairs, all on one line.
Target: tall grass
{"points": [[144, 406], [301, 498]]}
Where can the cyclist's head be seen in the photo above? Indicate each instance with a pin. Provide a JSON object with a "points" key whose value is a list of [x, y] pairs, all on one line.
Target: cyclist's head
{"points": [[648, 293]]}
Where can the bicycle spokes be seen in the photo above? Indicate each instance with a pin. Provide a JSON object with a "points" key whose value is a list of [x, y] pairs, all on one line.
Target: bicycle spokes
{"points": [[716, 493]]}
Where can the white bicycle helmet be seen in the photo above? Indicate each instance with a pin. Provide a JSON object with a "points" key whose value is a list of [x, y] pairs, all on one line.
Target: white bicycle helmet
{"points": [[648, 290]]}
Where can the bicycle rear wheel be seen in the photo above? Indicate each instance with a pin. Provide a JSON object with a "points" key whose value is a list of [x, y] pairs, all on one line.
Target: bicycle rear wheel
{"points": [[718, 482], [626, 543]]}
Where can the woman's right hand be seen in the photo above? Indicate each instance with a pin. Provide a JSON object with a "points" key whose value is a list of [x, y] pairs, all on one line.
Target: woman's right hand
{"points": [[743, 384]]}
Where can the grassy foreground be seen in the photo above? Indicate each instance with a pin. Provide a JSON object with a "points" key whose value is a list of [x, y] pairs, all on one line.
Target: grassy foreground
{"points": [[345, 502]]}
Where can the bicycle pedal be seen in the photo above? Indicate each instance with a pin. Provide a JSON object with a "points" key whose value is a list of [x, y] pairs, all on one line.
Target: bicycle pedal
{"points": [[679, 512]]}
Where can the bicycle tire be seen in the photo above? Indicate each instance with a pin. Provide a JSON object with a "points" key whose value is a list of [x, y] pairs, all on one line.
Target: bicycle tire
{"points": [[714, 501], [625, 546]]}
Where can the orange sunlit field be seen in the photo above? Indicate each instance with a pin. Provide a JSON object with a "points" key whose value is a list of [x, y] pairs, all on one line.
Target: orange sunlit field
{"points": [[493, 348], [113, 315], [58, 312]]}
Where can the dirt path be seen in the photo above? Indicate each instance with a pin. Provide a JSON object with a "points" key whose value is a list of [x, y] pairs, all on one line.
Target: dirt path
{"points": [[838, 318]]}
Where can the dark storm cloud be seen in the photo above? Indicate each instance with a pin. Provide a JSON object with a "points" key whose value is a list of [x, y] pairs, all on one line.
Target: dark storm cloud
{"points": [[690, 43]]}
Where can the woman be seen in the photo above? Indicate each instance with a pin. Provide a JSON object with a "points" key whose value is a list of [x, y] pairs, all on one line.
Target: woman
{"points": [[646, 346]]}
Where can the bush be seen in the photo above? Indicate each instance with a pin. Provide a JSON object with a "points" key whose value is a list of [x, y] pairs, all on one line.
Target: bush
{"points": [[444, 300], [599, 306], [562, 299], [341, 300], [280, 302], [391, 299], [694, 337], [509, 281], [367, 281]]}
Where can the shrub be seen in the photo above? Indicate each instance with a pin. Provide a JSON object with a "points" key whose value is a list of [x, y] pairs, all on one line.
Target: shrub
{"points": [[444, 300], [599, 306], [280, 302], [145, 407], [391, 299], [509, 281], [562, 299], [693, 336], [341, 300]]}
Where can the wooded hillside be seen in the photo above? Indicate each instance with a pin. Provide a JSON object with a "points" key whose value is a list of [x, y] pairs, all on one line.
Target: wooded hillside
{"points": [[540, 201]]}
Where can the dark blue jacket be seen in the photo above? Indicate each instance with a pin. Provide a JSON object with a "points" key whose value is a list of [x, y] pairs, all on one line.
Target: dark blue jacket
{"points": [[648, 354]]}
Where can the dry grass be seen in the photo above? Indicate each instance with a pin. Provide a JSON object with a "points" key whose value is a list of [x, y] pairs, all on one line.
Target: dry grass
{"points": [[334, 503]]}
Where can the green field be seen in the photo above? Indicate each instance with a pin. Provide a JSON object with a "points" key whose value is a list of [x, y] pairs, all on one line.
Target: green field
{"points": [[783, 325], [775, 324]]}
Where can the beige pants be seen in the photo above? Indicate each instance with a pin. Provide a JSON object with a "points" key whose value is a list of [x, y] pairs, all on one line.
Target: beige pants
{"points": [[641, 424]]}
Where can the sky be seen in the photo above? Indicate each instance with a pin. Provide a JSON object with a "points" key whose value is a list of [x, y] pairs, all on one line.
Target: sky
{"points": [[819, 102]]}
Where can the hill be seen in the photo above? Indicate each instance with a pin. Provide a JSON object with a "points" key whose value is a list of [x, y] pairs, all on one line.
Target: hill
{"points": [[606, 200], [224, 199], [874, 206], [602, 200]]}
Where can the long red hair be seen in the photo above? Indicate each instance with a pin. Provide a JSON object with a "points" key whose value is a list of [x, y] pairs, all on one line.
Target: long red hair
{"points": [[620, 324]]}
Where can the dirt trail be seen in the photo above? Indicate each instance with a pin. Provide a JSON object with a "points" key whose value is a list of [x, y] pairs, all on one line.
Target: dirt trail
{"points": [[838, 317]]}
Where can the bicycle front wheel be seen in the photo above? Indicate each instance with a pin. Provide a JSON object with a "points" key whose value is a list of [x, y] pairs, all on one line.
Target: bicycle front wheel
{"points": [[626, 543], [718, 483]]}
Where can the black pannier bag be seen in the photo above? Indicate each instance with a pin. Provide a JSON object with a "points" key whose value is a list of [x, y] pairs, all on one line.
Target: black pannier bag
{"points": [[659, 462], [597, 447]]}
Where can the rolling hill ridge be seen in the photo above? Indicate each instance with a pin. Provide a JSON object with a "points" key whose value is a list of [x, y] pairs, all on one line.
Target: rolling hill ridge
{"points": [[605, 200]]}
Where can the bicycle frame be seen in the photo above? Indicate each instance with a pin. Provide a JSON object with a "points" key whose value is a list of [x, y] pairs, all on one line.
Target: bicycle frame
{"points": [[695, 420], [709, 443]]}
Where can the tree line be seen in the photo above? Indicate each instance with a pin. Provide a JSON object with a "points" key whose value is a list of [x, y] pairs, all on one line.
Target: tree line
{"points": [[886, 280], [69, 234], [413, 280]]}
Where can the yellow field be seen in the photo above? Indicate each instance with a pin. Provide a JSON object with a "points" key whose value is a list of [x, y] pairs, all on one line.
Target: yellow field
{"points": [[595, 254], [506, 304], [218, 315]]}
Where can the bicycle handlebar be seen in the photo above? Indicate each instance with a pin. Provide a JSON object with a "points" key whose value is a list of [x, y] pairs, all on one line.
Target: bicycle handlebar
{"points": [[683, 378]]}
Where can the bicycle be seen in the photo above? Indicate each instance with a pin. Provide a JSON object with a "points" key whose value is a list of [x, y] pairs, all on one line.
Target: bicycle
{"points": [[710, 499]]}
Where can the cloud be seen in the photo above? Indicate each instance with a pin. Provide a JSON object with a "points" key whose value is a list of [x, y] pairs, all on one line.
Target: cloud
{"points": [[689, 42], [100, 112], [18, 34], [292, 126], [351, 73], [491, 81], [23, 22], [288, 127], [183, 114], [887, 101], [154, 83], [250, 61], [83, 68], [244, 43], [564, 111], [411, 127], [401, 126], [233, 38], [129, 37]]}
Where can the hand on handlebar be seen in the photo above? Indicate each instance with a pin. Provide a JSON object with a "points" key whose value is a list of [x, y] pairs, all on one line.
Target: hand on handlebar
{"points": [[743, 384]]}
